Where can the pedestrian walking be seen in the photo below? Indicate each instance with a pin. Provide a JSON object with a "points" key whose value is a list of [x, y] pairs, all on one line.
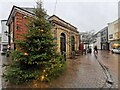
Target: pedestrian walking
{"points": [[90, 50], [95, 50]]}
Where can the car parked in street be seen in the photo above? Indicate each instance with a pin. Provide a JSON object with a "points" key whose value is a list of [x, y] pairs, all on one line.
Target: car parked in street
{"points": [[116, 50]]}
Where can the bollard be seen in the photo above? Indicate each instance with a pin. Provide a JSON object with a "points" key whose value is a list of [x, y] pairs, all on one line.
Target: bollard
{"points": [[64, 54], [73, 54]]}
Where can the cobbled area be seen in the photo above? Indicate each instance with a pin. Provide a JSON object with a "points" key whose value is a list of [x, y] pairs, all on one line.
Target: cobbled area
{"points": [[83, 72]]}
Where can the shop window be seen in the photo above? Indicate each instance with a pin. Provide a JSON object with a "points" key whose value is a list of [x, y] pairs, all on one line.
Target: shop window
{"points": [[111, 36]]}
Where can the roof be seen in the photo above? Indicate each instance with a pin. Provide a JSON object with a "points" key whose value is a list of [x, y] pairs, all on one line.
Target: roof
{"points": [[105, 28], [29, 11], [83, 33], [15, 8], [67, 25], [3, 20], [61, 20], [114, 21]]}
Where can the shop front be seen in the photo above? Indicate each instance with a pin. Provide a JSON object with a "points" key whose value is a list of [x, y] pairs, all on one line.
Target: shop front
{"points": [[104, 46], [114, 44]]}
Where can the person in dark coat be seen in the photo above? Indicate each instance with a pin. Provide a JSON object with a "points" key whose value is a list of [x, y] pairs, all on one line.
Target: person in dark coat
{"points": [[90, 50], [95, 50]]}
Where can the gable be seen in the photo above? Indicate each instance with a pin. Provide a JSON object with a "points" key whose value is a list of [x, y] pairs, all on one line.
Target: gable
{"points": [[16, 9], [63, 23]]}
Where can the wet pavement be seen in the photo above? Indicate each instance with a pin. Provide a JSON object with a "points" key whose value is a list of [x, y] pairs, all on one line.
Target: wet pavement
{"points": [[0, 74], [111, 61], [3, 59], [83, 72]]}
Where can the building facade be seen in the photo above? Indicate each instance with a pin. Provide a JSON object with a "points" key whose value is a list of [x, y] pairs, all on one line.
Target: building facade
{"points": [[0, 41], [97, 40], [114, 34], [65, 35], [87, 39], [4, 36], [83, 42], [104, 39], [83, 37]]}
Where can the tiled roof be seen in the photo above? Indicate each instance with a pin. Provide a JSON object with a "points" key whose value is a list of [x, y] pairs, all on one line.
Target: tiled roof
{"points": [[28, 9], [31, 11]]}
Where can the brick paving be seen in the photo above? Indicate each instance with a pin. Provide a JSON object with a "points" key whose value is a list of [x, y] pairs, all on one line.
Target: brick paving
{"points": [[0, 79], [83, 72], [111, 61]]}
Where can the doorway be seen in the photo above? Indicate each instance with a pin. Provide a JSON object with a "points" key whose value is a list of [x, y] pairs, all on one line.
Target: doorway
{"points": [[62, 43]]}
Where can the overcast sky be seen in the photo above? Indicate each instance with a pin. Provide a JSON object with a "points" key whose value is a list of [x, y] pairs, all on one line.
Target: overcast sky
{"points": [[86, 15]]}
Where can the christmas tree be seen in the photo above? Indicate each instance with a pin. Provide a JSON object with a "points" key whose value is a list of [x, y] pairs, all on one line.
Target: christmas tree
{"points": [[35, 56]]}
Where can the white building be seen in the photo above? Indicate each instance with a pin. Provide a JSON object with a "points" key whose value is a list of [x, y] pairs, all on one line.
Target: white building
{"points": [[0, 41], [97, 41], [4, 39], [114, 34]]}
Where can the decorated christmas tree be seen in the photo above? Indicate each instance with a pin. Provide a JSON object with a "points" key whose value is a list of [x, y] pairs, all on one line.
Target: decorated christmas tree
{"points": [[35, 56]]}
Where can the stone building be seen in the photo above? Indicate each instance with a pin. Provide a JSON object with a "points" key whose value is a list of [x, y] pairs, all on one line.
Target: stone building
{"points": [[65, 35]]}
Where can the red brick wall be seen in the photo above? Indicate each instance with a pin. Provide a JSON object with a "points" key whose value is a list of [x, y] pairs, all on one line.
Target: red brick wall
{"points": [[19, 28], [19, 25]]}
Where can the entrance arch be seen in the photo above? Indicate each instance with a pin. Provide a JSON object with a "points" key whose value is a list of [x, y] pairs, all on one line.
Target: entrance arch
{"points": [[62, 43]]}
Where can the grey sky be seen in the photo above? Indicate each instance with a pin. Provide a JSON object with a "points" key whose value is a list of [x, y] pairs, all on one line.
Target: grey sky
{"points": [[84, 14]]}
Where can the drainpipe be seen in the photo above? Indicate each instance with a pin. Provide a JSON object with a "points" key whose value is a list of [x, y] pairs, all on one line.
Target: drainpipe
{"points": [[9, 37], [13, 19]]}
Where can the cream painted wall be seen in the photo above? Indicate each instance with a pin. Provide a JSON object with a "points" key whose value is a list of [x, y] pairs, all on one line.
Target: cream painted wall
{"points": [[68, 35], [98, 41], [112, 29], [59, 27]]}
